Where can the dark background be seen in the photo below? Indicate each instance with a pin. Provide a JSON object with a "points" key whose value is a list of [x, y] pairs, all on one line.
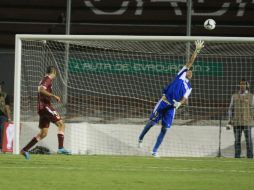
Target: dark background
{"points": [[121, 17]]}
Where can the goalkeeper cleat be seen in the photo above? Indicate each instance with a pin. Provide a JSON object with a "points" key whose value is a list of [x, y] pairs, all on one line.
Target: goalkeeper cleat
{"points": [[140, 143], [155, 154], [25, 154], [63, 151]]}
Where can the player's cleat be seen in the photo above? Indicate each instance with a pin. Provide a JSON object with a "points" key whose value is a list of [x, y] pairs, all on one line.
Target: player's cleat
{"points": [[63, 151], [25, 154], [140, 143], [155, 154]]}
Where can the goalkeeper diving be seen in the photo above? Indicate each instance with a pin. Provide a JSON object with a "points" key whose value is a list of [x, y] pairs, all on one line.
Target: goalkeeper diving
{"points": [[174, 95]]}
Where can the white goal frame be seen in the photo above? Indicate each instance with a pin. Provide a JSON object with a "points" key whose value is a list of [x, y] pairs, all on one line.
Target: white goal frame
{"points": [[18, 59]]}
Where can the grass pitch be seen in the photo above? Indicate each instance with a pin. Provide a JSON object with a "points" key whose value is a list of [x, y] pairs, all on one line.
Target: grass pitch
{"points": [[52, 172]]}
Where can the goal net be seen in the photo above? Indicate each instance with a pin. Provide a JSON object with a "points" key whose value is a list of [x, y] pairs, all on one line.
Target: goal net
{"points": [[109, 85]]}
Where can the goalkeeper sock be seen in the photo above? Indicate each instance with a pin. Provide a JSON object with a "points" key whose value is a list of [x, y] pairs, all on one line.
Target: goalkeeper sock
{"points": [[60, 140], [146, 129], [160, 139], [30, 144]]}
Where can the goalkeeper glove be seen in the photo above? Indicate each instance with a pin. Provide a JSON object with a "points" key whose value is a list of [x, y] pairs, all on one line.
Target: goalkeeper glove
{"points": [[199, 45], [177, 104]]}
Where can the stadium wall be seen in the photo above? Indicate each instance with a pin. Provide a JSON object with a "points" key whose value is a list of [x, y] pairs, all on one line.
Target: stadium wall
{"points": [[119, 139]]}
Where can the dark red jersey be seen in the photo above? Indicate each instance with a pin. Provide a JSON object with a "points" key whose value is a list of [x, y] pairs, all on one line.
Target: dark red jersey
{"points": [[44, 100]]}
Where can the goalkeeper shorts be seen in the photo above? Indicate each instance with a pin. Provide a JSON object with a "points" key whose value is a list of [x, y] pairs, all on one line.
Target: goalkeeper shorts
{"points": [[163, 112]]}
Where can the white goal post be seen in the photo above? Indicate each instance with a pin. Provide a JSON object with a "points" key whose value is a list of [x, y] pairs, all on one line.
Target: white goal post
{"points": [[110, 85]]}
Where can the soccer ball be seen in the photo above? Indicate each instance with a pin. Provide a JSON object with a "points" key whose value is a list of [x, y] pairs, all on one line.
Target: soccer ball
{"points": [[209, 24]]}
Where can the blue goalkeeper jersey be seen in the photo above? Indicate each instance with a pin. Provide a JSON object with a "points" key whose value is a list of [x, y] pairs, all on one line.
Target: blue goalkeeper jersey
{"points": [[180, 87]]}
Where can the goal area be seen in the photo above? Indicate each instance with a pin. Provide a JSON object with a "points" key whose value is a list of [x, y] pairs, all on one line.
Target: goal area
{"points": [[109, 85]]}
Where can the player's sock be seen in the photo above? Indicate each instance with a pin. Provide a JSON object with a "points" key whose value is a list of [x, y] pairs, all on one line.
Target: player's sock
{"points": [[30, 144], [160, 139], [60, 140], [145, 130], [61, 149]]}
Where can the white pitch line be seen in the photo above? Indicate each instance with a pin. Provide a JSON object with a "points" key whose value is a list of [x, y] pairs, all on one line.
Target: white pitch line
{"points": [[127, 168]]}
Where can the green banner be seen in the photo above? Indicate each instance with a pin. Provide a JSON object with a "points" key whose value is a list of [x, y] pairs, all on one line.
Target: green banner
{"points": [[142, 67]]}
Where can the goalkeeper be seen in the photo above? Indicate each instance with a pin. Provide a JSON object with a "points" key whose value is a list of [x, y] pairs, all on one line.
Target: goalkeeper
{"points": [[174, 95]]}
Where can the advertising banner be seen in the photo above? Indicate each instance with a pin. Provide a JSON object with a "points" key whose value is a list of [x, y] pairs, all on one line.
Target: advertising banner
{"points": [[8, 135]]}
